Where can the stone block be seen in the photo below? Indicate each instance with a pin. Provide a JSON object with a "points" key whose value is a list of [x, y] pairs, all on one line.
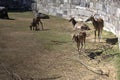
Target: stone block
{"points": [[59, 14], [65, 12]]}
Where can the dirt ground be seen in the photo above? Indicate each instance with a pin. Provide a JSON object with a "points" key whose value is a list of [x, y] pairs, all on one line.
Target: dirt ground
{"points": [[27, 55]]}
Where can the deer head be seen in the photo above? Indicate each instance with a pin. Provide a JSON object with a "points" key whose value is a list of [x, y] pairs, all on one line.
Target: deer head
{"points": [[91, 18]]}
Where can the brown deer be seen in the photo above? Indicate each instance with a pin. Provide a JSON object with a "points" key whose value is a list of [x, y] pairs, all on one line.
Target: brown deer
{"points": [[80, 39], [78, 25], [35, 23], [98, 25]]}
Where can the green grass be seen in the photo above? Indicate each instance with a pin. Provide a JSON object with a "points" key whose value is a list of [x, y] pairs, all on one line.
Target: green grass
{"points": [[21, 14], [118, 63], [52, 39]]}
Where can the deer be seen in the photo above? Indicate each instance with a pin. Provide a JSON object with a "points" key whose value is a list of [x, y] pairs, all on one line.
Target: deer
{"points": [[98, 26], [35, 23], [80, 39], [78, 25]]}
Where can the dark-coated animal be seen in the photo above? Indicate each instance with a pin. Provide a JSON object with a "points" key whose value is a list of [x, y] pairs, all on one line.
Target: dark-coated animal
{"points": [[3, 13], [79, 25], [43, 16], [35, 23], [80, 39], [112, 41], [98, 25]]}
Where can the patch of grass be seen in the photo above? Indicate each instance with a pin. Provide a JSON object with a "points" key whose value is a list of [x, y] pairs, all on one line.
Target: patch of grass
{"points": [[53, 39], [20, 14], [107, 34], [118, 63]]}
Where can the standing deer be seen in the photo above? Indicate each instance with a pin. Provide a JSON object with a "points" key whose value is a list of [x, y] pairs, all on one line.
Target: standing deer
{"points": [[98, 25], [35, 23], [80, 39], [79, 25]]}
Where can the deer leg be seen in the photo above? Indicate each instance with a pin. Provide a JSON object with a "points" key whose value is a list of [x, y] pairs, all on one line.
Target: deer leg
{"points": [[41, 24], [99, 37], [95, 35], [78, 45], [84, 43], [101, 32], [37, 25], [30, 27], [81, 45]]}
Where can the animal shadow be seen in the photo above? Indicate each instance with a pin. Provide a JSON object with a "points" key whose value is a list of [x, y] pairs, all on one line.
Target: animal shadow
{"points": [[11, 19], [7, 18], [42, 30], [45, 29], [94, 54], [112, 41], [55, 42]]}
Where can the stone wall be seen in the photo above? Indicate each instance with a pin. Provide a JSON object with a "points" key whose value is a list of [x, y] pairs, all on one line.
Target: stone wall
{"points": [[109, 10]]}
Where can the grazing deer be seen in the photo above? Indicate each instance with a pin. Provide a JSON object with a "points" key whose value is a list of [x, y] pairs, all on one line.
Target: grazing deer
{"points": [[79, 25], [35, 23], [98, 25], [80, 39]]}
